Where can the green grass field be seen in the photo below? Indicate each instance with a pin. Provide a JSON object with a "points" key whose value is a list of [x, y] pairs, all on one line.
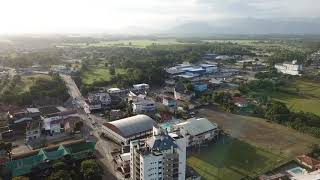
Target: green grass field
{"points": [[28, 81], [98, 74], [300, 96], [140, 43], [232, 159]]}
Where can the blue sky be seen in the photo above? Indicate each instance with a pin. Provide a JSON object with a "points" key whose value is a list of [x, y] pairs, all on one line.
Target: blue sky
{"points": [[18, 16]]}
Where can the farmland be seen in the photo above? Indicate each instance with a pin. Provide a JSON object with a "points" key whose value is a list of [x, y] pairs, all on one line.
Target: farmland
{"points": [[138, 43], [299, 95]]}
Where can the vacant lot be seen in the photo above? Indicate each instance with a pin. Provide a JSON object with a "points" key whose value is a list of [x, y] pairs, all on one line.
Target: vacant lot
{"points": [[99, 74], [270, 136], [232, 159], [258, 146]]}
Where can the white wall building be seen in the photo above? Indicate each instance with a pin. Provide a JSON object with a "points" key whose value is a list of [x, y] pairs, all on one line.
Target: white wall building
{"points": [[159, 157], [143, 106], [198, 130], [141, 86], [124, 130], [292, 68]]}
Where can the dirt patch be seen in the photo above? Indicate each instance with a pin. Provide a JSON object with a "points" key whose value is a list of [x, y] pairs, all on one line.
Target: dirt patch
{"points": [[274, 137]]}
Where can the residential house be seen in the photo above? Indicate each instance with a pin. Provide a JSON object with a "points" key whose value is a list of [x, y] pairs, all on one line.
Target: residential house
{"points": [[198, 131], [169, 102], [240, 101], [309, 162], [182, 93], [200, 87], [33, 131]]}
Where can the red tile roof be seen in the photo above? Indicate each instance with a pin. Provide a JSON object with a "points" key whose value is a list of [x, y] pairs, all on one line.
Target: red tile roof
{"points": [[309, 161]]}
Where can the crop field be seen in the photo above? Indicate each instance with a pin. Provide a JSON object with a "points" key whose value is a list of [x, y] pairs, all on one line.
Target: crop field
{"points": [[300, 96], [232, 159]]}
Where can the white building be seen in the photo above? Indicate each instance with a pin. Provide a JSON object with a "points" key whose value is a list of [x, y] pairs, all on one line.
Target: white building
{"points": [[210, 68], [198, 130], [140, 103], [159, 157], [141, 86], [292, 68], [124, 130], [143, 106]]}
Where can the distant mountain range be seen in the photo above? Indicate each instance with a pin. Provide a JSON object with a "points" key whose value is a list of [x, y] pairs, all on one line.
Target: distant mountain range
{"points": [[248, 26]]}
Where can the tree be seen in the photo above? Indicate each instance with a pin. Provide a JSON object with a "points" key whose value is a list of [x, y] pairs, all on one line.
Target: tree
{"points": [[60, 175], [6, 147], [90, 170], [78, 126], [277, 111]]}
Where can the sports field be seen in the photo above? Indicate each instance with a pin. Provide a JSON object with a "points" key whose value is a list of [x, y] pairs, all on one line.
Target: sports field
{"points": [[232, 159]]}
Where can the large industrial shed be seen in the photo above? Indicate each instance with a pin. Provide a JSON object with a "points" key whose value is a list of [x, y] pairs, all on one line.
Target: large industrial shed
{"points": [[124, 130]]}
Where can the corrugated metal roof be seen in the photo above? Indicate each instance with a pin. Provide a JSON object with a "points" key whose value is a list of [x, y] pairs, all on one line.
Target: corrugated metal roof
{"points": [[197, 126], [132, 125]]}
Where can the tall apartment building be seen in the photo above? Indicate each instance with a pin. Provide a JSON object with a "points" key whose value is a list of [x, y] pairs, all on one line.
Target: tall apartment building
{"points": [[160, 157]]}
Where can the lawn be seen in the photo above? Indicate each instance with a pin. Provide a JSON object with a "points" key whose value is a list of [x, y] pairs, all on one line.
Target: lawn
{"points": [[232, 159], [98, 74]]}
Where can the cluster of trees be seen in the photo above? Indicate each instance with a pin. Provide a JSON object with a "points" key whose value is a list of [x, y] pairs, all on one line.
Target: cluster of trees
{"points": [[67, 169], [225, 100], [283, 55], [301, 121], [45, 58], [43, 91]]}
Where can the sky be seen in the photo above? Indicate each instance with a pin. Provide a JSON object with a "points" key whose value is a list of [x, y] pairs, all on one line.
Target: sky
{"points": [[56, 16]]}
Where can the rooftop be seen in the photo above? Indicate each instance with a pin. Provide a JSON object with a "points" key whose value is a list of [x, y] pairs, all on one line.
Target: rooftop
{"points": [[196, 126], [130, 126]]}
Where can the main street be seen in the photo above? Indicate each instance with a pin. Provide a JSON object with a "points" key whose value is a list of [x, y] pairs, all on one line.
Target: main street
{"points": [[92, 125]]}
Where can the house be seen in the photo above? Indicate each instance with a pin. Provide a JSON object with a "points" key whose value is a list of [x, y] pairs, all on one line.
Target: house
{"points": [[182, 93], [122, 131], [53, 117], [309, 162], [314, 175], [23, 166], [162, 156], [291, 68], [104, 98], [198, 131], [33, 131], [240, 102], [143, 106], [92, 106], [169, 102], [214, 82], [200, 87]]}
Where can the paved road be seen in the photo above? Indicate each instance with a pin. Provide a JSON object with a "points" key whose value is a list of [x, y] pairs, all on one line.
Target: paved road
{"points": [[92, 124]]}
